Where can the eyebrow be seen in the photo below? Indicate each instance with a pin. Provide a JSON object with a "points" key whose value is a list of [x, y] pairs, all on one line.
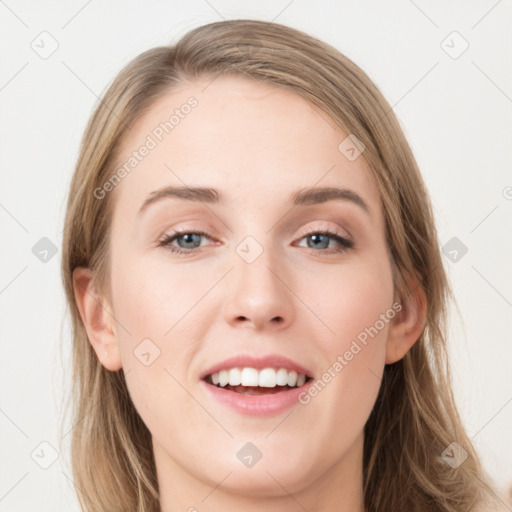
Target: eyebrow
{"points": [[302, 197]]}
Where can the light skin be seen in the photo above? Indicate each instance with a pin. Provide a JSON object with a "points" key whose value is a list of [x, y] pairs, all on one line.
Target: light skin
{"points": [[256, 144]]}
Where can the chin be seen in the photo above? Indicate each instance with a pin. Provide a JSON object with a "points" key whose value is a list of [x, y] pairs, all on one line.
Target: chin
{"points": [[264, 481]]}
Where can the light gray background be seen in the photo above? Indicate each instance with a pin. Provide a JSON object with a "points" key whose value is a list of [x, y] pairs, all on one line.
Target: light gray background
{"points": [[456, 113]]}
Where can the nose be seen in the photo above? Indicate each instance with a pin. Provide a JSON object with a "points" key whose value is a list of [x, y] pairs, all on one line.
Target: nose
{"points": [[260, 295]]}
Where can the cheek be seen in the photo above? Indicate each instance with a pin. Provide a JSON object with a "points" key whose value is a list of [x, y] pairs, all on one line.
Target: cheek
{"points": [[153, 298], [349, 299], [157, 340], [156, 311], [355, 305]]}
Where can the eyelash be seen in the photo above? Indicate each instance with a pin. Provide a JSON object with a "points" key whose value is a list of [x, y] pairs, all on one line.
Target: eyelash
{"points": [[345, 244]]}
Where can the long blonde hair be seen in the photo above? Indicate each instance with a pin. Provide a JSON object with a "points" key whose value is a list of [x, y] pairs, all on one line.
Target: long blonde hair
{"points": [[415, 418]]}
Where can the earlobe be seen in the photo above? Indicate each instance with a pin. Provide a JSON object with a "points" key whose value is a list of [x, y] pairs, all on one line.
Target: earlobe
{"points": [[408, 324], [97, 319]]}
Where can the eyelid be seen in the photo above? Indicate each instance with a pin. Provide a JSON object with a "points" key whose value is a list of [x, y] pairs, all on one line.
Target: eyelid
{"points": [[206, 229], [305, 231]]}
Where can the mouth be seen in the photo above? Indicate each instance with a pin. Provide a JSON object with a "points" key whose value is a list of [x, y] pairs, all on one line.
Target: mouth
{"points": [[254, 382], [257, 385]]}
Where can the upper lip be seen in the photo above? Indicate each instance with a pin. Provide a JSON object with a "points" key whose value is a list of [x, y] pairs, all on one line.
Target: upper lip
{"points": [[248, 361]]}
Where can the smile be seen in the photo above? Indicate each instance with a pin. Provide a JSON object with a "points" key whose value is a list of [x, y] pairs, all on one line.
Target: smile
{"points": [[250, 381]]}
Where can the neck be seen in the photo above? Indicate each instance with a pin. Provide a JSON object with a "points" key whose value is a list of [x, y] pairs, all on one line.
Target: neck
{"points": [[338, 489]]}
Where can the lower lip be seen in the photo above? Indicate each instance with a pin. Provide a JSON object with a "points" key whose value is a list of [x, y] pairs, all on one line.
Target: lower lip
{"points": [[258, 405]]}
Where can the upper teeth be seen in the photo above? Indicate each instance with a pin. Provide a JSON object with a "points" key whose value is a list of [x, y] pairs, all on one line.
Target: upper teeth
{"points": [[266, 378]]}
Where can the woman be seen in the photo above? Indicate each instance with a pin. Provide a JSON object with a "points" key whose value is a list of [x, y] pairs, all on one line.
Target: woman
{"points": [[256, 288]]}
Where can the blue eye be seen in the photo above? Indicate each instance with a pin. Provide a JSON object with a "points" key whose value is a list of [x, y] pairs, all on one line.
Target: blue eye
{"points": [[320, 239], [190, 241], [189, 238]]}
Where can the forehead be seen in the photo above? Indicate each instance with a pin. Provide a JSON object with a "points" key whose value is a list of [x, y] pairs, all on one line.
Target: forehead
{"points": [[254, 141]]}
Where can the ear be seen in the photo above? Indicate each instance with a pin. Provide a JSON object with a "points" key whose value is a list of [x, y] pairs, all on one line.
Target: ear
{"points": [[97, 318], [408, 324]]}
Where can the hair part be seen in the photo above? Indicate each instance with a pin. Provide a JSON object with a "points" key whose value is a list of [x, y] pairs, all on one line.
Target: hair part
{"points": [[415, 417]]}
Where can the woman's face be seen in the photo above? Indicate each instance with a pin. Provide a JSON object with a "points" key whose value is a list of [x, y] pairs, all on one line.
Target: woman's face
{"points": [[255, 278]]}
